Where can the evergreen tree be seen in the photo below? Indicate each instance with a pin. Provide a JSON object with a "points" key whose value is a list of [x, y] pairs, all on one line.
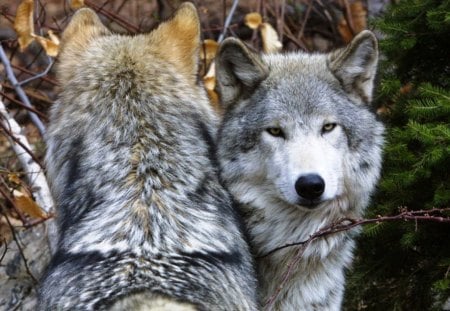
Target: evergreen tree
{"points": [[406, 265]]}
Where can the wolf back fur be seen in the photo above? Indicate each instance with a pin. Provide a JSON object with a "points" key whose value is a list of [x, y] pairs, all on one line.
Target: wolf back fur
{"points": [[299, 149], [144, 223]]}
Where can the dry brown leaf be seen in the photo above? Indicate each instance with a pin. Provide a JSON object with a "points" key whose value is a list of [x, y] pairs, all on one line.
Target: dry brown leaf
{"points": [[253, 20], [51, 47], [27, 205], [5, 228], [209, 80], [383, 111], [271, 42], [76, 4], [208, 52], [14, 178], [23, 23], [358, 16], [406, 89], [209, 49], [53, 37], [344, 30]]}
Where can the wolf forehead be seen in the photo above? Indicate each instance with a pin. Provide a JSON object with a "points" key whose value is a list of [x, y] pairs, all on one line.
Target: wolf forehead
{"points": [[302, 85]]}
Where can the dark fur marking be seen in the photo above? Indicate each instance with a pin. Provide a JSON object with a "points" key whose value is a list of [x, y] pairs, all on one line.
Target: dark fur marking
{"points": [[79, 259], [214, 258], [74, 209], [208, 139], [364, 165], [73, 163]]}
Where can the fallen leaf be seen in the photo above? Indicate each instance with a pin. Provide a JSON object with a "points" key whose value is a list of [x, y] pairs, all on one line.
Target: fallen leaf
{"points": [[209, 49], [406, 89], [383, 111], [53, 37], [50, 47], [27, 205], [358, 17], [344, 30], [209, 81], [208, 52], [271, 42], [23, 23], [14, 178], [76, 4], [253, 20]]}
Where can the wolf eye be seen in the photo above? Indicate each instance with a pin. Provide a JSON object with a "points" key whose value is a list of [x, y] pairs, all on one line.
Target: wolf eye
{"points": [[328, 127], [275, 131]]}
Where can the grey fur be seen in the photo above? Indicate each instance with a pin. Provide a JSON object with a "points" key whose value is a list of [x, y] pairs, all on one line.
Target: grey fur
{"points": [[306, 115], [144, 223]]}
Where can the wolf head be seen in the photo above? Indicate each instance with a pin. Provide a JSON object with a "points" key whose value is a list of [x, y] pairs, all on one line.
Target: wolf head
{"points": [[176, 41], [297, 128], [122, 92]]}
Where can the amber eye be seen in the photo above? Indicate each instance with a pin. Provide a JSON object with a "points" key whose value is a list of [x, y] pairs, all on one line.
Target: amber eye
{"points": [[328, 127], [275, 131]]}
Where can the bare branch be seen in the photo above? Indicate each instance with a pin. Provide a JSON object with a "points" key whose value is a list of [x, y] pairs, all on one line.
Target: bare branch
{"points": [[346, 224], [19, 247], [39, 75], [20, 92], [113, 16], [18, 102], [34, 171], [228, 21]]}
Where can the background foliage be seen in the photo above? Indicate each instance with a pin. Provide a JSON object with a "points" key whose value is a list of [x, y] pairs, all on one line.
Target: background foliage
{"points": [[404, 265]]}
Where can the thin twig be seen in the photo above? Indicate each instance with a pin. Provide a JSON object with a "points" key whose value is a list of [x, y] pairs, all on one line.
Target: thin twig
{"points": [[34, 172], [38, 221], [22, 216], [5, 251], [16, 239], [305, 19], [346, 224], [39, 75], [228, 21], [348, 16], [32, 73], [18, 102], [280, 18], [9, 133], [289, 271], [119, 20], [20, 92]]}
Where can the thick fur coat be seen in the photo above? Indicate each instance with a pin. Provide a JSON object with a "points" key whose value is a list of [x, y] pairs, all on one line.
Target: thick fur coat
{"points": [[300, 149], [144, 223]]}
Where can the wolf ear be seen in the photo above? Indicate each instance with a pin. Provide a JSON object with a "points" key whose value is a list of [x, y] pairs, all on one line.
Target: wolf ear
{"points": [[178, 40], [238, 71], [84, 27], [355, 66]]}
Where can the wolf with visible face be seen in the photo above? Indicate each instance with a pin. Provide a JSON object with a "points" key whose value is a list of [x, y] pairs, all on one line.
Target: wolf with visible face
{"points": [[299, 149], [144, 222]]}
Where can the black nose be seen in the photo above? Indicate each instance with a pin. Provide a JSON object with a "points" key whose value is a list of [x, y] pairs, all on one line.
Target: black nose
{"points": [[310, 186]]}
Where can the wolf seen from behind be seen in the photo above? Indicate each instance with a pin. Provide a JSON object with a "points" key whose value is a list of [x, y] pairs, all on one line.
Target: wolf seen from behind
{"points": [[144, 223], [300, 149]]}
